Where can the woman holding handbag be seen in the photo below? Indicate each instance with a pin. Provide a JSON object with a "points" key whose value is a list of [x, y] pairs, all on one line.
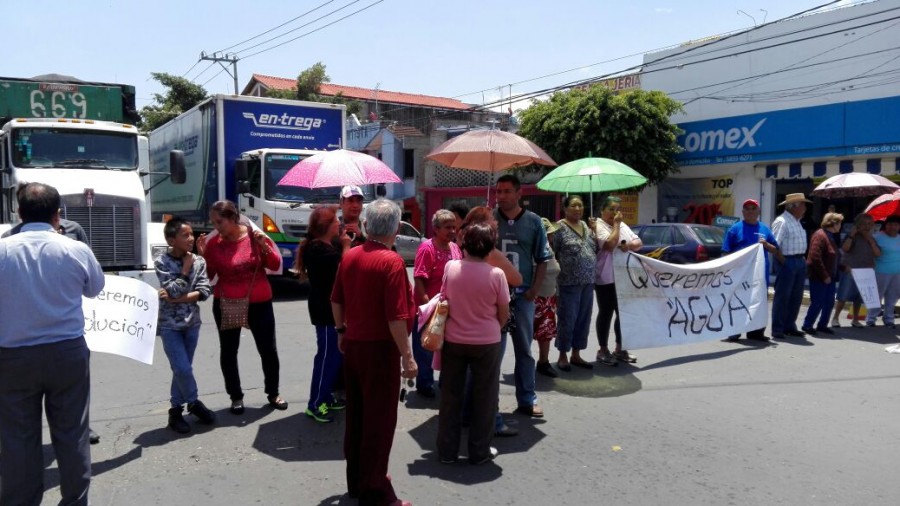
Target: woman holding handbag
{"points": [[479, 297], [239, 255]]}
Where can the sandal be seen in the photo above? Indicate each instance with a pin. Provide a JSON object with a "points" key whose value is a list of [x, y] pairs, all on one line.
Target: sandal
{"points": [[237, 406], [277, 402]]}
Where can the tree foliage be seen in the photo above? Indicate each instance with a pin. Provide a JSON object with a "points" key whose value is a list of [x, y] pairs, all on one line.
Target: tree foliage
{"points": [[632, 128], [309, 86], [181, 95]]}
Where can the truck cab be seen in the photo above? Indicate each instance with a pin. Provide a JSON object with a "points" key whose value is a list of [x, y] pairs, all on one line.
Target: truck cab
{"points": [[95, 166], [281, 211]]}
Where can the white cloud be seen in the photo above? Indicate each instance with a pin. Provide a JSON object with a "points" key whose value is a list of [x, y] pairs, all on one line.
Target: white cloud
{"points": [[663, 10]]}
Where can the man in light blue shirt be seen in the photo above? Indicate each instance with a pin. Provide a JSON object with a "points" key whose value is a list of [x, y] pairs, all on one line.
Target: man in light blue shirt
{"points": [[43, 355]]}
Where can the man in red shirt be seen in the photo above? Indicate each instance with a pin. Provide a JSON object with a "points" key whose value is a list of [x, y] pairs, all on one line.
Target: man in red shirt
{"points": [[373, 311]]}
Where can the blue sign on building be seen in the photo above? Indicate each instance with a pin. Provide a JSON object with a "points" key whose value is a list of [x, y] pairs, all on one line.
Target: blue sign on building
{"points": [[854, 129]]}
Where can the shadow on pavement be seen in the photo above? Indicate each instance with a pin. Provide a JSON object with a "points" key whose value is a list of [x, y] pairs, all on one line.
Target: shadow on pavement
{"points": [[337, 500], [298, 438], [866, 335], [710, 356], [51, 475], [601, 381]]}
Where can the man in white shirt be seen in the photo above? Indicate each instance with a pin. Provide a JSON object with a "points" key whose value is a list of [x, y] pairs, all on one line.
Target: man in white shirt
{"points": [[791, 276]]}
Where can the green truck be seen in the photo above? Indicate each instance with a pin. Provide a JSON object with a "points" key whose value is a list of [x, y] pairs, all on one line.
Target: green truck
{"points": [[56, 96]]}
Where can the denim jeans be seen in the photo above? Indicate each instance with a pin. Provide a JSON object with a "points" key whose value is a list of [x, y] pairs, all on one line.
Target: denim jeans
{"points": [[521, 338], [821, 301], [326, 366], [179, 346], [573, 316], [889, 291], [425, 378], [788, 294]]}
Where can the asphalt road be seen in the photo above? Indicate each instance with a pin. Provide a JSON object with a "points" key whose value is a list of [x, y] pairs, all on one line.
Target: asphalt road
{"points": [[804, 421]]}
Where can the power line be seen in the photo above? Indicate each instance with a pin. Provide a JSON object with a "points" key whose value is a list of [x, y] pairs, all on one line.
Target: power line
{"points": [[537, 93], [315, 30], [277, 27], [298, 28]]}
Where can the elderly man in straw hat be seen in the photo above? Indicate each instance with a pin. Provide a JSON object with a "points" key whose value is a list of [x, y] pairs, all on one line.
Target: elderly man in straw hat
{"points": [[791, 239]]}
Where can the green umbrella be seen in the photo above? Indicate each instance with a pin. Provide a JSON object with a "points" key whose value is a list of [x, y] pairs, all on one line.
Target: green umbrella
{"points": [[591, 175]]}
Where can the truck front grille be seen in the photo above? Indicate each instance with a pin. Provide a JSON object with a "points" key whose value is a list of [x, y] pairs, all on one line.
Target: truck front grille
{"points": [[113, 229], [295, 231]]}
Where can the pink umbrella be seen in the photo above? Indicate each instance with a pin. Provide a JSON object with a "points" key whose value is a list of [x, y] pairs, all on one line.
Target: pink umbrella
{"points": [[884, 206], [489, 150], [338, 168], [854, 184]]}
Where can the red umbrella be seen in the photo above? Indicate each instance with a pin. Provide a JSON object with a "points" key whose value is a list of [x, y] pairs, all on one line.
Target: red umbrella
{"points": [[854, 184], [884, 206], [339, 168], [490, 151]]}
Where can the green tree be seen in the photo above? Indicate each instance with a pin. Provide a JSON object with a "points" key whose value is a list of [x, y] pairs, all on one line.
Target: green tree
{"points": [[180, 96], [309, 86], [632, 128]]}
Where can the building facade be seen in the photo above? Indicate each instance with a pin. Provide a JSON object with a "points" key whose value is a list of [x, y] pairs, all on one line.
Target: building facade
{"points": [[777, 109]]}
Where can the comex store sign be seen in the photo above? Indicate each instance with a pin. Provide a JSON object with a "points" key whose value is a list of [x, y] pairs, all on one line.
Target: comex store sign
{"points": [[721, 139]]}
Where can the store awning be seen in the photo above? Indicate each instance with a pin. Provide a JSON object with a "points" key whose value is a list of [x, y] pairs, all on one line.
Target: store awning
{"points": [[824, 169]]}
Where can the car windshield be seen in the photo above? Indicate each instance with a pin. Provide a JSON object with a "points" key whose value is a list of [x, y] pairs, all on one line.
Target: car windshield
{"points": [[709, 235], [277, 165], [80, 149]]}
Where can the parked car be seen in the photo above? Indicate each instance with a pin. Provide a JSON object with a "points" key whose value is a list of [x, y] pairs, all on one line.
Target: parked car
{"points": [[680, 243], [407, 242]]}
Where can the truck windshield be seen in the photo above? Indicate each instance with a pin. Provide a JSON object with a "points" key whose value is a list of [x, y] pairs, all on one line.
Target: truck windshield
{"points": [[59, 147], [276, 166]]}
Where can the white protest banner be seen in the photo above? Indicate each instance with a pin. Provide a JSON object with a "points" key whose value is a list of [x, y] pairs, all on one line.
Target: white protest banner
{"points": [[662, 304], [868, 288], [122, 319]]}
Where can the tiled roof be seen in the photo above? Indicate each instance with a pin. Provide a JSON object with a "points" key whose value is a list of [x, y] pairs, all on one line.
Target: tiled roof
{"points": [[353, 92]]}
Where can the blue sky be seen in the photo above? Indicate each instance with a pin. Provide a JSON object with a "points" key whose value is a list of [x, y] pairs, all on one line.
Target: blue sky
{"points": [[464, 48]]}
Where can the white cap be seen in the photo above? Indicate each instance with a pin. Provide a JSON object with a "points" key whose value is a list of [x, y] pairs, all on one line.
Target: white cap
{"points": [[351, 191]]}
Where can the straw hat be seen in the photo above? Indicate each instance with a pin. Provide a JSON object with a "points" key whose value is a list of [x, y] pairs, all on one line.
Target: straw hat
{"points": [[549, 226], [793, 198]]}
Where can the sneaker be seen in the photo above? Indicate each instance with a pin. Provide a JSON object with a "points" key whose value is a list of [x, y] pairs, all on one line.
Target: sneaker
{"points": [[320, 414], [506, 431], [857, 324], [836, 323], [337, 405], [624, 356], [176, 421], [449, 460], [93, 437], [606, 358], [198, 409], [870, 324], [491, 456]]}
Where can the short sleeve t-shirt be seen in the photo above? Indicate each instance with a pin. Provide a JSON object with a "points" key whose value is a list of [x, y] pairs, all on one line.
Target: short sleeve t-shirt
{"points": [[524, 242], [889, 261], [374, 289], [474, 291], [430, 262]]}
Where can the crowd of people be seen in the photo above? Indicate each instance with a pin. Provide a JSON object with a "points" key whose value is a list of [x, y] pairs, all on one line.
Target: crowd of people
{"points": [[506, 274]]}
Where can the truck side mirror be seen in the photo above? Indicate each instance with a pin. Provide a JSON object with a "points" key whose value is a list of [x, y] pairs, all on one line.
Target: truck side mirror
{"points": [[241, 169], [241, 187], [176, 167]]}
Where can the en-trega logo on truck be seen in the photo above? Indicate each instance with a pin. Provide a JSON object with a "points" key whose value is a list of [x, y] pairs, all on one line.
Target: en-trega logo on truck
{"points": [[284, 121], [715, 140]]}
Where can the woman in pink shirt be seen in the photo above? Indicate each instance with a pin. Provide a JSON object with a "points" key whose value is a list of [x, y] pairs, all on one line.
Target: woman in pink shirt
{"points": [[240, 257], [478, 296]]}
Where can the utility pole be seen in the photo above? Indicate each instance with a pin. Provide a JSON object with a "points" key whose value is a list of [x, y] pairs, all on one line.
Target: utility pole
{"points": [[227, 57]]}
